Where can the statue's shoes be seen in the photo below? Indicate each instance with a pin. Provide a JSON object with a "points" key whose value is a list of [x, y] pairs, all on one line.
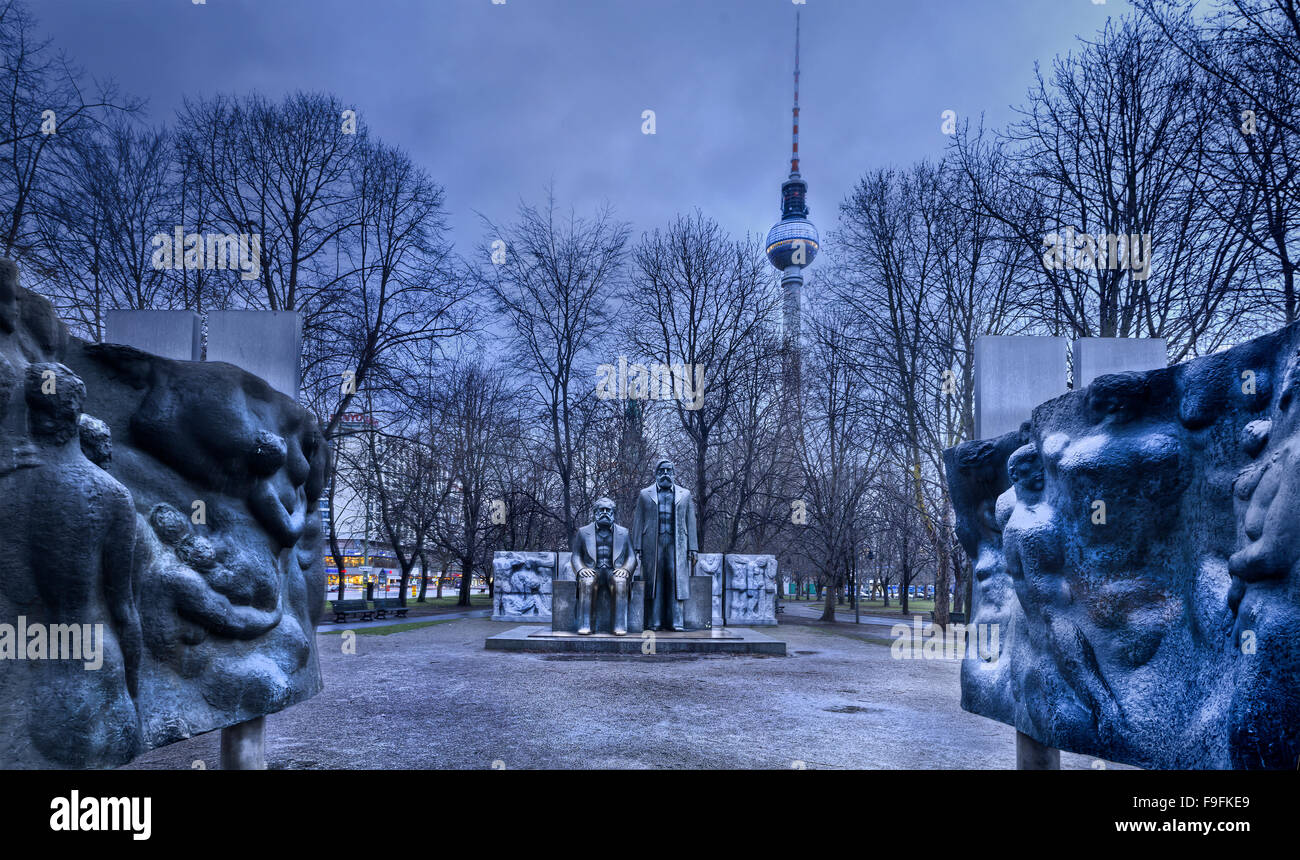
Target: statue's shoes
{"points": [[584, 631], [619, 632]]}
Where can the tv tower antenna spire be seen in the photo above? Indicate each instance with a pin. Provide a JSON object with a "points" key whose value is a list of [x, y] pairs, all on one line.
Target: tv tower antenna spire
{"points": [[794, 153]]}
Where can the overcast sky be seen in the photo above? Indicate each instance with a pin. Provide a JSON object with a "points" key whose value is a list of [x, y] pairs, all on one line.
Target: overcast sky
{"points": [[498, 100]]}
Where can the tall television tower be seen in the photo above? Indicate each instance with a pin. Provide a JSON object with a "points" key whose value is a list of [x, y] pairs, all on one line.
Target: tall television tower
{"points": [[792, 242]]}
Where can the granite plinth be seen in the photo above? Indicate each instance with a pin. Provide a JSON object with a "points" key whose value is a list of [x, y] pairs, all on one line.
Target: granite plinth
{"points": [[564, 606], [730, 640], [698, 611]]}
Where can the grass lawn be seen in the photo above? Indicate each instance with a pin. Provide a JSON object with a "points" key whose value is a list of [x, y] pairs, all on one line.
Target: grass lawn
{"points": [[914, 606], [433, 604], [448, 601]]}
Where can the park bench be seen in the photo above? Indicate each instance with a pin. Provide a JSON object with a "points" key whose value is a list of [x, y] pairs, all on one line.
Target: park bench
{"points": [[385, 605], [343, 609]]}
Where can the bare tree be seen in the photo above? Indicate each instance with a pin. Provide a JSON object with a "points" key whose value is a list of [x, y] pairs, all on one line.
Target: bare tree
{"points": [[701, 300], [1103, 158], [1249, 52], [552, 279], [395, 300], [470, 426], [411, 487], [114, 196], [280, 171], [44, 105], [838, 456]]}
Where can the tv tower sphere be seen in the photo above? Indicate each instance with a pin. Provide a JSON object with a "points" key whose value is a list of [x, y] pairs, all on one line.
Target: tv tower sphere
{"points": [[783, 241], [793, 241]]}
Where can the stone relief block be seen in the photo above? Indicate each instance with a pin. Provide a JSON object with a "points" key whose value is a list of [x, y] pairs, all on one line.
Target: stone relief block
{"points": [[168, 510], [750, 589], [1147, 537], [522, 583]]}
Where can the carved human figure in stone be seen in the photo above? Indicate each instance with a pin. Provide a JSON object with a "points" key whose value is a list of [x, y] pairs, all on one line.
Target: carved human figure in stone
{"points": [[665, 540], [1150, 532], [96, 441], [1264, 595], [1094, 521], [982, 500], [602, 553], [1268, 495], [65, 564]]}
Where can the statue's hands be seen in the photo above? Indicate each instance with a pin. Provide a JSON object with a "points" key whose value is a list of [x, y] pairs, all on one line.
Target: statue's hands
{"points": [[586, 573], [620, 573]]}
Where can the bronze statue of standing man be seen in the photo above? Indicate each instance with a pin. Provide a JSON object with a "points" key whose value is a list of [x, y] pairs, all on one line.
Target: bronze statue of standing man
{"points": [[663, 535]]}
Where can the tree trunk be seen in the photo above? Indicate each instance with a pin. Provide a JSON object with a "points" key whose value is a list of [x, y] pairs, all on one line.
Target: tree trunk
{"points": [[970, 582], [959, 582], [942, 571], [828, 608], [405, 581], [466, 577]]}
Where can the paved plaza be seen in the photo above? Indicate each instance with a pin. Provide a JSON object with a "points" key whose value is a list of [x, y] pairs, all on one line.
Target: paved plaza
{"points": [[433, 697]]}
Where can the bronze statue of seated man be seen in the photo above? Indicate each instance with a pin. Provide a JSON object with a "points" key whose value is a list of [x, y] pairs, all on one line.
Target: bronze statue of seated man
{"points": [[603, 551]]}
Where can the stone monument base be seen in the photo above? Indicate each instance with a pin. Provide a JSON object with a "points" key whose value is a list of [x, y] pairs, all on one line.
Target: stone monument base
{"points": [[717, 640], [564, 607]]}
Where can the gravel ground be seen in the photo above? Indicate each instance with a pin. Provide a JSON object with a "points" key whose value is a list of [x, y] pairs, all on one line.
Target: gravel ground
{"points": [[435, 698]]}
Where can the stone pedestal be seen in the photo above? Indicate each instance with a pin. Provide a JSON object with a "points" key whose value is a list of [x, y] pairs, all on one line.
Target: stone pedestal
{"points": [[647, 645], [1031, 755], [636, 607], [243, 745], [564, 607], [698, 612]]}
